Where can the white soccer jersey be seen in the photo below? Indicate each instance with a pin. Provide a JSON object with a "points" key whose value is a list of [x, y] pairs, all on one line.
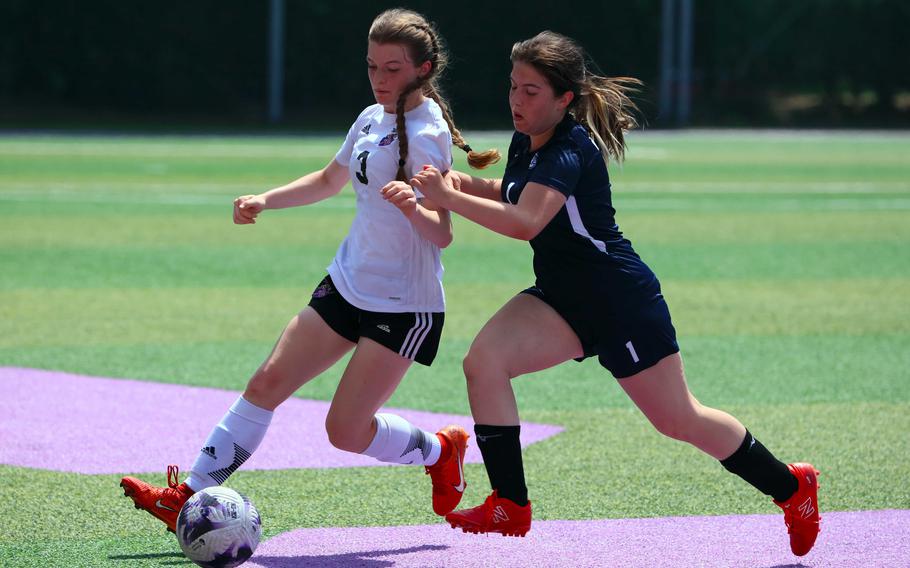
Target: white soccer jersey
{"points": [[384, 265]]}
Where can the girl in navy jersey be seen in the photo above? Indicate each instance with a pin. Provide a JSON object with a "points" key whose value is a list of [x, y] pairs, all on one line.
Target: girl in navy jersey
{"points": [[593, 295], [383, 295]]}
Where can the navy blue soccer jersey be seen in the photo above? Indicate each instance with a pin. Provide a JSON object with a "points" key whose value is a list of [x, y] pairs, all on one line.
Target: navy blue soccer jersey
{"points": [[585, 269], [582, 245]]}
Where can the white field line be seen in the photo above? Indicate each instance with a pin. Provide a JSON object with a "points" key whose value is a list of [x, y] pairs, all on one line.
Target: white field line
{"points": [[631, 203]]}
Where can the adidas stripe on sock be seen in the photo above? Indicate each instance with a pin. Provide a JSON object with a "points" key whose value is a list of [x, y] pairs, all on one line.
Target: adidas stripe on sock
{"points": [[230, 444]]}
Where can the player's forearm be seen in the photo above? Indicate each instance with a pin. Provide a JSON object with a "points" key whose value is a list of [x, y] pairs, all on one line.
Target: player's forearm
{"points": [[503, 218], [479, 187], [434, 226], [308, 189]]}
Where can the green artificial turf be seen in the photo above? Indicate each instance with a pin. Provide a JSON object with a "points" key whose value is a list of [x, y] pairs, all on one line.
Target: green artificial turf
{"points": [[785, 259]]}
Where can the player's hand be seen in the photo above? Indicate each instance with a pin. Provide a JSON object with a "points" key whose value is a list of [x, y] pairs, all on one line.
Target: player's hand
{"points": [[247, 208], [402, 196], [453, 180], [431, 183]]}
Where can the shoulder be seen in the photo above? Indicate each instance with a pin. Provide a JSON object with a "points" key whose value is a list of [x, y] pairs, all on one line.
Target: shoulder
{"points": [[572, 146], [369, 113], [429, 125], [428, 121]]}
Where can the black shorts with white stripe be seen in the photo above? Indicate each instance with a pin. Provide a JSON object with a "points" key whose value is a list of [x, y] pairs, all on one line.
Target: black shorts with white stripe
{"points": [[413, 335]]}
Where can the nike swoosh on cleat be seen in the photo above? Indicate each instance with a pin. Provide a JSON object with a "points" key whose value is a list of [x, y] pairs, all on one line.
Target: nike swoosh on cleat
{"points": [[160, 506], [461, 484]]}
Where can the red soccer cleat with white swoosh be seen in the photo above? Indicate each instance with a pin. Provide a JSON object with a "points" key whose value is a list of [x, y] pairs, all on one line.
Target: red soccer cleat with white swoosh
{"points": [[447, 473], [164, 503]]}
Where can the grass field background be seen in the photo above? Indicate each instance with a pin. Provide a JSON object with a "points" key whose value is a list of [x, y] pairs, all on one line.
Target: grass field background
{"points": [[785, 259]]}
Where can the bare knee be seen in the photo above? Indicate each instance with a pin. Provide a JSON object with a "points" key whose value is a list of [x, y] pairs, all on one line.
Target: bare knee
{"points": [[679, 425], [482, 365], [266, 387], [347, 434]]}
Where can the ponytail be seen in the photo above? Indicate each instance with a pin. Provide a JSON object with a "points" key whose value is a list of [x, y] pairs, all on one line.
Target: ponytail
{"points": [[606, 110]]}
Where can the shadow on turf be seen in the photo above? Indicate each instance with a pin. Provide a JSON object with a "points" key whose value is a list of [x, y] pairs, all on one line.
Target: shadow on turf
{"points": [[148, 556], [362, 559]]}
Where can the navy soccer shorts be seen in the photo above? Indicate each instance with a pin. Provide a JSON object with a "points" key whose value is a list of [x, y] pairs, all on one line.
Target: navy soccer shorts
{"points": [[626, 339]]}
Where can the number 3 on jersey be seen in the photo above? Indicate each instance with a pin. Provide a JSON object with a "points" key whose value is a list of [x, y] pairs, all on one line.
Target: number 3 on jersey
{"points": [[362, 174]]}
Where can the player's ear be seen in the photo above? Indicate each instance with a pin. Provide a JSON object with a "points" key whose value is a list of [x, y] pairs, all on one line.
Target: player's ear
{"points": [[424, 69], [565, 99]]}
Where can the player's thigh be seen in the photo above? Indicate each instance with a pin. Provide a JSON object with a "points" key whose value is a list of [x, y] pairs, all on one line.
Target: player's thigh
{"points": [[524, 336], [306, 348], [370, 378], [661, 391]]}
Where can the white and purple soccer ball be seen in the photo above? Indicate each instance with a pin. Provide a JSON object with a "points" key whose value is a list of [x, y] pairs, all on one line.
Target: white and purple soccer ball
{"points": [[218, 528]]}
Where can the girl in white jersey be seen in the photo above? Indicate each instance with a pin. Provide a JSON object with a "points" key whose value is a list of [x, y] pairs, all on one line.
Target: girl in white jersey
{"points": [[383, 296]]}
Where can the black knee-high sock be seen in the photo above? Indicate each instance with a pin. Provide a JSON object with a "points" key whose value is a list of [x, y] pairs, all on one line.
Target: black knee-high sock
{"points": [[754, 463], [501, 450]]}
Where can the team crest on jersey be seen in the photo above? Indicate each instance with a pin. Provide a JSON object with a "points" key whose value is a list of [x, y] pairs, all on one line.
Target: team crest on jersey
{"points": [[389, 138], [366, 129], [533, 162]]}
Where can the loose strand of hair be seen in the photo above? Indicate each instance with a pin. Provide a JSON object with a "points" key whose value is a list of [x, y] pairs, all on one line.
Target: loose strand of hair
{"points": [[607, 110]]}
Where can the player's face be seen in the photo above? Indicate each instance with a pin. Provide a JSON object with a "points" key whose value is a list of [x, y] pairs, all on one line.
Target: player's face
{"points": [[391, 69], [535, 106]]}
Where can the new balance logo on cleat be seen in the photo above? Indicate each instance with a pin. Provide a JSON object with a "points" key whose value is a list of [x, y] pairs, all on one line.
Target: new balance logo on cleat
{"points": [[210, 452], [499, 514], [384, 328], [806, 508]]}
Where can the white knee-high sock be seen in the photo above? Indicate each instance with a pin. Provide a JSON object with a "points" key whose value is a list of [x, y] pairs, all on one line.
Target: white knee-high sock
{"points": [[399, 441], [230, 444]]}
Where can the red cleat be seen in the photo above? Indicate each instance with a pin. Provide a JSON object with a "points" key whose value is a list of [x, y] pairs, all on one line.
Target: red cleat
{"points": [[801, 510], [447, 474], [496, 515], [163, 503]]}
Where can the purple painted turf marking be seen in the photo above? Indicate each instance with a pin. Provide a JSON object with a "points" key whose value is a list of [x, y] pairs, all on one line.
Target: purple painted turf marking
{"points": [[66, 422], [848, 539]]}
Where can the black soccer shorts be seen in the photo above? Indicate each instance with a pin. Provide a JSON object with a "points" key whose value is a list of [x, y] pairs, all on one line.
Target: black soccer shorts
{"points": [[413, 335]]}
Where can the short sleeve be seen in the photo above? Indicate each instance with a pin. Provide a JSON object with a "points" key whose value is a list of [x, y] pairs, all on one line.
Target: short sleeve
{"points": [[343, 155], [430, 147], [559, 168]]}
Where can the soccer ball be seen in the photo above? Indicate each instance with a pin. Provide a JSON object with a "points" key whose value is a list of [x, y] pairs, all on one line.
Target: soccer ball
{"points": [[218, 528]]}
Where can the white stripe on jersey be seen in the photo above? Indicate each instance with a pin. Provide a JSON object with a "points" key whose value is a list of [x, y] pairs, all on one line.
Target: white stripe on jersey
{"points": [[578, 226]]}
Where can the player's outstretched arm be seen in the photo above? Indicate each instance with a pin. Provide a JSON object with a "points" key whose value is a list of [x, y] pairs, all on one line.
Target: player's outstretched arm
{"points": [[537, 206], [308, 189], [476, 186]]}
